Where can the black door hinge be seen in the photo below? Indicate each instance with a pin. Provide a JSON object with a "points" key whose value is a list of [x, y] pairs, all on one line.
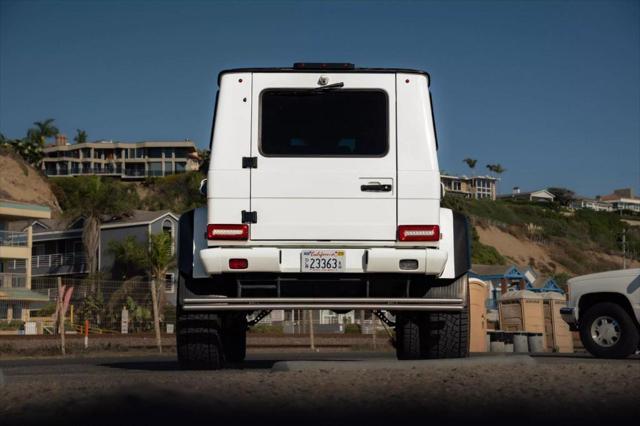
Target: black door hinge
{"points": [[249, 162], [249, 217]]}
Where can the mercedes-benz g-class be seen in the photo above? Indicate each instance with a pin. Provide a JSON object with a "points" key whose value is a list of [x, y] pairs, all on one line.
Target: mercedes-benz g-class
{"points": [[323, 192]]}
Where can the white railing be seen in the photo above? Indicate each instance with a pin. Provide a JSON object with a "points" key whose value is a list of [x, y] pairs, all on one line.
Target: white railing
{"points": [[13, 238], [11, 280], [53, 260], [57, 259]]}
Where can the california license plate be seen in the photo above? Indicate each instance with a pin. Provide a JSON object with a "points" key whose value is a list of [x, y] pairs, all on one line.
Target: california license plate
{"points": [[323, 261]]}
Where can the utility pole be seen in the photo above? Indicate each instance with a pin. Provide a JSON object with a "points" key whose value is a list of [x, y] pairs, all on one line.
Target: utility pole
{"points": [[624, 247]]}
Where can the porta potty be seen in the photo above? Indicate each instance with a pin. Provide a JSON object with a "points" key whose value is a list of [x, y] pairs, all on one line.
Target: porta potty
{"points": [[558, 337], [478, 294], [521, 310]]}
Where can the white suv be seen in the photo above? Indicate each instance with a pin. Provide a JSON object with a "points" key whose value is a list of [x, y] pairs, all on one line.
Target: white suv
{"points": [[323, 192]]}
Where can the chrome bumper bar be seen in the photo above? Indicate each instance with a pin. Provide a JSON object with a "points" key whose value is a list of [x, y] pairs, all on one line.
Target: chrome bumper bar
{"points": [[248, 304]]}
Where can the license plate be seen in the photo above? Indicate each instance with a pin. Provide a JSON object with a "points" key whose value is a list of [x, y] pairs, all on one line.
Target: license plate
{"points": [[322, 261]]}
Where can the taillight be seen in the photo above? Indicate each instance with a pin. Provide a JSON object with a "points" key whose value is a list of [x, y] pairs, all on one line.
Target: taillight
{"points": [[418, 233], [228, 232], [238, 263]]}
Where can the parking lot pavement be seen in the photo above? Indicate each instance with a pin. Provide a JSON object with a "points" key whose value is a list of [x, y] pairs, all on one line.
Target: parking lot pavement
{"points": [[322, 388]]}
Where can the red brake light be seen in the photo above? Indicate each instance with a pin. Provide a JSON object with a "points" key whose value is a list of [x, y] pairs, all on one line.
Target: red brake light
{"points": [[228, 232], [238, 263], [418, 233]]}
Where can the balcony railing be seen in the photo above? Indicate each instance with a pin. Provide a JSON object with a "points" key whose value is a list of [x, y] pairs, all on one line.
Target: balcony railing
{"points": [[122, 173], [54, 263], [13, 238], [12, 280]]}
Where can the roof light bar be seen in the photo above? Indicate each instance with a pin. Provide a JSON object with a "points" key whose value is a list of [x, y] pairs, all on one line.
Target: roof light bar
{"points": [[323, 66]]}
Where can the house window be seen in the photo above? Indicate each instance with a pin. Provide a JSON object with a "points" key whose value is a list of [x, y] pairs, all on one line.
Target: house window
{"points": [[169, 280], [4, 310], [483, 188], [17, 312], [167, 228], [181, 167], [456, 185]]}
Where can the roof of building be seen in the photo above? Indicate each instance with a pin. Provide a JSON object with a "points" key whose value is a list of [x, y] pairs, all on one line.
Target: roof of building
{"points": [[465, 177], [526, 194], [137, 217], [495, 270]]}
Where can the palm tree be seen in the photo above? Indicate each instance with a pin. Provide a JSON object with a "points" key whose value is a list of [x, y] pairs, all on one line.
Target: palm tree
{"points": [[159, 259], [471, 162], [92, 198], [42, 131], [81, 136], [498, 169]]}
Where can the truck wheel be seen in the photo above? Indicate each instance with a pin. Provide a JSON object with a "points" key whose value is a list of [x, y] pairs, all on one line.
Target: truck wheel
{"points": [[447, 335], [409, 336], [234, 339], [198, 341], [608, 331]]}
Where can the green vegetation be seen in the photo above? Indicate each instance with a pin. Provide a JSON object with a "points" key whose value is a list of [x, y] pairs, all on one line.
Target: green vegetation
{"points": [[567, 234], [80, 137], [30, 146], [93, 197], [484, 254], [178, 193], [11, 325]]}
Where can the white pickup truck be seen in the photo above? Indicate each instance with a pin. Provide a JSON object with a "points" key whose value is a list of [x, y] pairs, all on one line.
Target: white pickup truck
{"points": [[323, 192], [605, 308]]}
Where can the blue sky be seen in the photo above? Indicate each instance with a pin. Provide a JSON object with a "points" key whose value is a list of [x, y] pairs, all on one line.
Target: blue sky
{"points": [[551, 90]]}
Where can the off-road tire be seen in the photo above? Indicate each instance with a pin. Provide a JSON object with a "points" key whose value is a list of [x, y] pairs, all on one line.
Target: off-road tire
{"points": [[409, 336], [629, 339], [447, 335], [234, 340], [198, 341]]}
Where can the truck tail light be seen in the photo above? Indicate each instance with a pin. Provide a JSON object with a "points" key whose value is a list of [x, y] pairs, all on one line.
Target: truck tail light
{"points": [[227, 232], [238, 263], [418, 233]]}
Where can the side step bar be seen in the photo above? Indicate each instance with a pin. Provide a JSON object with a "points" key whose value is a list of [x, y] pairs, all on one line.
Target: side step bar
{"points": [[248, 304]]}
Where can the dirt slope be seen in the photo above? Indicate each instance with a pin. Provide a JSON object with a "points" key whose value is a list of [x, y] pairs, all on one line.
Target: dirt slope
{"points": [[543, 258], [19, 181]]}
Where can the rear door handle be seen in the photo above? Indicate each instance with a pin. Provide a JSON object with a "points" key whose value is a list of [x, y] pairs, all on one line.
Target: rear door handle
{"points": [[375, 187]]}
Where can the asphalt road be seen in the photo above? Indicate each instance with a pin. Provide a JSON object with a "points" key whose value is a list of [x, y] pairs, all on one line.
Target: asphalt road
{"points": [[323, 388]]}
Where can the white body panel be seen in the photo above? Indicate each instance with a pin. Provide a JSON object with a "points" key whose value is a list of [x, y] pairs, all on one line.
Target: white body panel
{"points": [[316, 202], [317, 198], [625, 282]]}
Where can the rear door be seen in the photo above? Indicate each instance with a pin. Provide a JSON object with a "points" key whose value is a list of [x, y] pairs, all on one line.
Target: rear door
{"points": [[326, 157]]}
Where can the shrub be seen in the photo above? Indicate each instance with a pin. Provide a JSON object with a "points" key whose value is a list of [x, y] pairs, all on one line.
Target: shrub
{"points": [[11, 325], [352, 329]]}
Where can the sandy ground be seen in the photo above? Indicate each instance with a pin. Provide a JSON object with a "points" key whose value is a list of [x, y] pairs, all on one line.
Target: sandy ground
{"points": [[328, 389], [522, 251], [16, 347]]}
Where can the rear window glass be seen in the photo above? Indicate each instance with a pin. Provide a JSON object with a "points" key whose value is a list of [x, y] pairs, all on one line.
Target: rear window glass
{"points": [[316, 123]]}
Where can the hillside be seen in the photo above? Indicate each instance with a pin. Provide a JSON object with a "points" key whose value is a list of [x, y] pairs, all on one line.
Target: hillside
{"points": [[550, 238], [20, 181]]}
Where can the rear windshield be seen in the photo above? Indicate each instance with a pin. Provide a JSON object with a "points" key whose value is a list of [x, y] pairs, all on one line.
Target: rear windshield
{"points": [[316, 123]]}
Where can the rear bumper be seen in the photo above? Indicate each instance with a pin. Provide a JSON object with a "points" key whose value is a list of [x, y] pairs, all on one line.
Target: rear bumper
{"points": [[260, 303], [431, 261]]}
